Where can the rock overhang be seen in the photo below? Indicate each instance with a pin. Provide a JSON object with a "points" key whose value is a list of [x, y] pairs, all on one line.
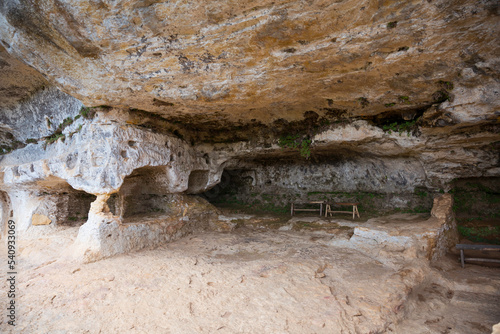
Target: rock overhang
{"points": [[263, 60], [231, 83], [99, 156]]}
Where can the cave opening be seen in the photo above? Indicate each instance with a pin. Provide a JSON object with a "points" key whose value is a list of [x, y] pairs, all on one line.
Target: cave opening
{"points": [[143, 193], [477, 208], [61, 203], [75, 206], [198, 180], [271, 186]]}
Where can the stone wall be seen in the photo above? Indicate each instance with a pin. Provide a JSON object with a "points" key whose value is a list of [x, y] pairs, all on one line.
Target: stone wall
{"points": [[477, 197], [105, 234], [379, 184]]}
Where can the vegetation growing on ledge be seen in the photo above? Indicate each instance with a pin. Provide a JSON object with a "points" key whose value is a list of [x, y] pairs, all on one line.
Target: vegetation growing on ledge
{"points": [[303, 143], [484, 234], [76, 131], [443, 94], [364, 101], [87, 112], [58, 134], [448, 85], [399, 127], [404, 99], [54, 137], [4, 149], [298, 134], [392, 24]]}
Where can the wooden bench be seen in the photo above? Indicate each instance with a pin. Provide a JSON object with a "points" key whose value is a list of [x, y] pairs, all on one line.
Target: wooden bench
{"points": [[355, 212], [463, 247], [320, 210]]}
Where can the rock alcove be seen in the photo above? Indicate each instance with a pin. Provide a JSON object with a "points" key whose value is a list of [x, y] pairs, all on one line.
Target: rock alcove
{"points": [[384, 111], [141, 122]]}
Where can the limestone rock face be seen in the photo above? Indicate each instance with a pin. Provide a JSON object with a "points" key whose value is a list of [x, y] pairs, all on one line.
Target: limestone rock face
{"points": [[264, 59], [18, 80], [97, 156], [40, 220], [373, 97], [448, 233], [429, 239], [225, 72], [30, 108], [105, 234]]}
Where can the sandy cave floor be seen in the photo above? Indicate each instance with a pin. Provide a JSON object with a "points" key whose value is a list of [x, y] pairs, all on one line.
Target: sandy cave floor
{"points": [[248, 281]]}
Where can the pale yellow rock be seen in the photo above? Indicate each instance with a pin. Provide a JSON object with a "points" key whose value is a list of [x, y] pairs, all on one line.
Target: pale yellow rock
{"points": [[40, 220], [100, 204], [263, 59]]}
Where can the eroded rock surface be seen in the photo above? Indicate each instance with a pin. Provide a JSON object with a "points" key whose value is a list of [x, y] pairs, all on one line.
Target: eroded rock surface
{"points": [[114, 115], [379, 99], [96, 157], [264, 59], [105, 234], [254, 281]]}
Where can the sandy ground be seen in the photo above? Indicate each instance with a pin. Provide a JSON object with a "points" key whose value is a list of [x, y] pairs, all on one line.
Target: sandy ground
{"points": [[247, 281]]}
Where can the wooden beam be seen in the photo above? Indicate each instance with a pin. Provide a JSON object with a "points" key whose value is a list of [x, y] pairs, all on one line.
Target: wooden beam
{"points": [[482, 259], [478, 247]]}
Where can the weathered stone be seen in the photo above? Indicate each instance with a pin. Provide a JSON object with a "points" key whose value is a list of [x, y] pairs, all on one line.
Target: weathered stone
{"points": [[410, 235], [448, 233], [40, 220], [239, 59], [105, 234], [98, 156], [382, 103], [376, 100]]}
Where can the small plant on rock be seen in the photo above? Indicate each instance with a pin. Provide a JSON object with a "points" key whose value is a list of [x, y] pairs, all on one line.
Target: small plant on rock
{"points": [[441, 96], [363, 100], [404, 99], [303, 143], [392, 24], [87, 112], [448, 85], [55, 137], [76, 131], [400, 127]]}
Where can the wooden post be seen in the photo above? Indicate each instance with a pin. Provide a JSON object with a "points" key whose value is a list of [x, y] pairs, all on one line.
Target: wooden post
{"points": [[462, 259], [292, 209]]}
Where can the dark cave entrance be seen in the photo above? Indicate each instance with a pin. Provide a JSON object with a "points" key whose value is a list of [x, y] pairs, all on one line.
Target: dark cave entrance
{"points": [[477, 208], [142, 193], [62, 203], [381, 186]]}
